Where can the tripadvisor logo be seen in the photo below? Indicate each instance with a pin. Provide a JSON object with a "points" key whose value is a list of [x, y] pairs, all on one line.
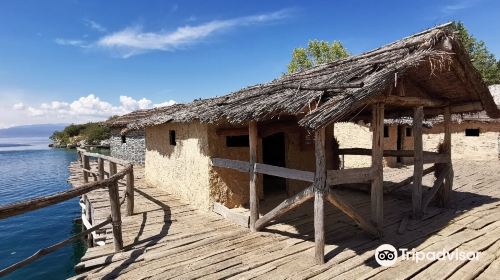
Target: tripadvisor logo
{"points": [[387, 255]]}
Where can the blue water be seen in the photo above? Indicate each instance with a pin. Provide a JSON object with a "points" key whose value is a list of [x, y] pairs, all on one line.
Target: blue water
{"points": [[28, 168]]}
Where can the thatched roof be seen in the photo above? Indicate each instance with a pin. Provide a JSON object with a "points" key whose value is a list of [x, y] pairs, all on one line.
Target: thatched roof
{"points": [[434, 60], [123, 120]]}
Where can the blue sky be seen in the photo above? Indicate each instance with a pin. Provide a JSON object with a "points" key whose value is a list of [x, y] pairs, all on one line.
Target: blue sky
{"points": [[74, 61]]}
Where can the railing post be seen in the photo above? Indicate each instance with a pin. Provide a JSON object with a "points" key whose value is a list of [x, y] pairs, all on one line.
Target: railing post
{"points": [[86, 166], [130, 192], [377, 185], [114, 200], [320, 189], [112, 168], [100, 164], [418, 162]]}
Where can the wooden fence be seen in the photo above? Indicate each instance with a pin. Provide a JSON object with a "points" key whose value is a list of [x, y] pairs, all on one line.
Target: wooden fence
{"points": [[102, 179]]}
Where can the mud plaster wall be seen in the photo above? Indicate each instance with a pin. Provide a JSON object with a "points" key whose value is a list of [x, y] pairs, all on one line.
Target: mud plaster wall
{"points": [[483, 147], [182, 169], [351, 135]]}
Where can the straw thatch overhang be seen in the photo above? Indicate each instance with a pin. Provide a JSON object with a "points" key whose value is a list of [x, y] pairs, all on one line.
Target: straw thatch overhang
{"points": [[123, 120], [429, 69]]}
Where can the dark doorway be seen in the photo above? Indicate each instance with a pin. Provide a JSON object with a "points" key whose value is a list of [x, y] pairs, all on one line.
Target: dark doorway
{"points": [[273, 151], [399, 142]]}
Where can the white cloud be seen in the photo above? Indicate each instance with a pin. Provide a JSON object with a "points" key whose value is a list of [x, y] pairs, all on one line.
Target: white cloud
{"points": [[70, 42], [456, 6], [133, 40], [94, 25], [85, 108]]}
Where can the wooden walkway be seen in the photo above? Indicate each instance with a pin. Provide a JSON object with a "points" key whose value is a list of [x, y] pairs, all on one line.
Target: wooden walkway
{"points": [[167, 238]]}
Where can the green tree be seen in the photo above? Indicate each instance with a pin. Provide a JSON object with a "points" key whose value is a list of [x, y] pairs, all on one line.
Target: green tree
{"points": [[484, 61], [317, 52], [95, 132]]}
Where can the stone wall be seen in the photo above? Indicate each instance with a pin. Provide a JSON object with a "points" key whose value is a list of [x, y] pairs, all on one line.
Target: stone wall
{"points": [[132, 150], [181, 169]]}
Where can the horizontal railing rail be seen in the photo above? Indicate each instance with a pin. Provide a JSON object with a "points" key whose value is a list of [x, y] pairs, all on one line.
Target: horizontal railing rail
{"points": [[100, 182]]}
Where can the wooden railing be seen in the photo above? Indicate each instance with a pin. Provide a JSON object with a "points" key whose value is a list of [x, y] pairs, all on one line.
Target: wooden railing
{"points": [[100, 182]]}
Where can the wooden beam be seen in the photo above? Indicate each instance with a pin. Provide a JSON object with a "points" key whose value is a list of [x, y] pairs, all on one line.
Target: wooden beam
{"points": [[285, 206], [100, 168], [377, 191], [294, 174], [336, 199], [242, 166], [86, 166], [418, 162], [408, 101], [435, 188], [236, 131], [349, 176], [254, 196], [320, 189], [430, 156]]}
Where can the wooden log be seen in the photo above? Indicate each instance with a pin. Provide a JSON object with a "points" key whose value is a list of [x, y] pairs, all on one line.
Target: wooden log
{"points": [[114, 202], [408, 101], [130, 192], [100, 167], [294, 174], [336, 199], [418, 166], [319, 194], [377, 186], [41, 202], [429, 157], [86, 166], [45, 251], [285, 206], [112, 168], [445, 191], [243, 166], [435, 188], [254, 196], [349, 176]]}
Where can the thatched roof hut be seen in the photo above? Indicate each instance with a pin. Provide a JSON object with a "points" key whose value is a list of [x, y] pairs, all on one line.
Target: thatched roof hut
{"points": [[430, 62]]}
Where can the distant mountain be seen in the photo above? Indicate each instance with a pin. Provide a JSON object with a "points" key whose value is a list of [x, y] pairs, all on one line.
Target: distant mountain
{"points": [[34, 130]]}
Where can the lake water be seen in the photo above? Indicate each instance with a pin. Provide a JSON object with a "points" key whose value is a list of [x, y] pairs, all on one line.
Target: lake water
{"points": [[28, 168]]}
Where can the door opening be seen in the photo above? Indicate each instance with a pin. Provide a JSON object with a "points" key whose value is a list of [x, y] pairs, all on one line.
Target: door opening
{"points": [[399, 142], [273, 153]]}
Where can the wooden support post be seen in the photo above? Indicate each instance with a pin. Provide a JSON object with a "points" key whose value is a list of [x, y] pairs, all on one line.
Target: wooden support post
{"points": [[319, 195], [100, 165], [112, 168], [254, 196], [86, 166], [114, 199], [418, 166], [445, 190], [377, 187], [130, 192]]}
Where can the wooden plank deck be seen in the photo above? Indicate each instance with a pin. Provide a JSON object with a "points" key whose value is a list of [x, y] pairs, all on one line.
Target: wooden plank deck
{"points": [[168, 239]]}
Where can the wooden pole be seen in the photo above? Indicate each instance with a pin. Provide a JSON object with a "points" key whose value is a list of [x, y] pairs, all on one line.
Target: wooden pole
{"points": [[114, 200], [418, 166], [130, 192], [100, 165], [86, 166], [445, 190], [377, 190], [112, 168], [254, 196], [319, 196]]}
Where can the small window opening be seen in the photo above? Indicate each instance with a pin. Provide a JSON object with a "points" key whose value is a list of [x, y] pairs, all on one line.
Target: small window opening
{"points": [[237, 141], [408, 131], [472, 132], [124, 139], [386, 131], [172, 139]]}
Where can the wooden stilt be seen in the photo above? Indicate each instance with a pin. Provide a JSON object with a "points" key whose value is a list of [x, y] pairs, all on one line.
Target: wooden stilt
{"points": [[445, 190], [319, 195], [86, 166], [100, 166], [418, 166], [254, 196], [130, 192], [377, 191]]}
